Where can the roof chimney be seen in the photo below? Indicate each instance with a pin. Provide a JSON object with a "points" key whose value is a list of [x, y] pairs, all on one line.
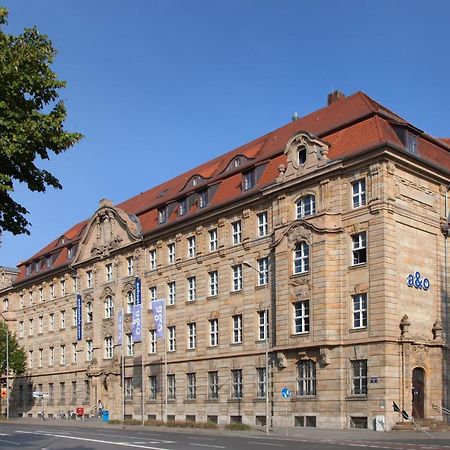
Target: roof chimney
{"points": [[335, 96]]}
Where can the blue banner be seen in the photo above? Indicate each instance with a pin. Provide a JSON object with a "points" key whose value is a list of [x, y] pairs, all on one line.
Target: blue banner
{"points": [[137, 291], [136, 329], [159, 315], [79, 318], [119, 327]]}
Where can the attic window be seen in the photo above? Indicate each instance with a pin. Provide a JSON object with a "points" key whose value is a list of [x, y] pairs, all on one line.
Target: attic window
{"points": [[71, 251], [162, 215], [182, 207], [237, 162], [411, 143], [203, 199], [249, 180], [194, 181], [37, 266], [49, 262], [301, 155], [28, 269]]}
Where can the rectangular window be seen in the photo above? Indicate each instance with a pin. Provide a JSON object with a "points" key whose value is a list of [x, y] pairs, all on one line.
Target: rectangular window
{"points": [[213, 385], [263, 271], [152, 387], [261, 382], [359, 248], [109, 307], [306, 378], [130, 302], [249, 180], [63, 319], [192, 290], [21, 329], [74, 391], [89, 312], [237, 328], [171, 253], [74, 353], [172, 338], [171, 387], [51, 322], [171, 292], [237, 277], [109, 347], [359, 310], [74, 316], [213, 332], [203, 198], [359, 193], [191, 246], [152, 341], [213, 283], [182, 207], [41, 357], [87, 390], [51, 356], [130, 344], [51, 391], [52, 291], [301, 317], [153, 260], [236, 383], [41, 295], [89, 278], [63, 288], [301, 258], [30, 359], [359, 377], [192, 335], [236, 232], [263, 325], [30, 327], [162, 215], [41, 324], [62, 360], [31, 297], [130, 266], [74, 284], [213, 239], [62, 392], [128, 388], [89, 350], [191, 386], [108, 269], [152, 294], [21, 301], [262, 224]]}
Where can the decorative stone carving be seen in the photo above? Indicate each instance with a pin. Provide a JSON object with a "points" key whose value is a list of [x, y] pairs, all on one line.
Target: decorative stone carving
{"points": [[297, 234], [324, 356], [404, 325], [281, 360], [437, 330]]}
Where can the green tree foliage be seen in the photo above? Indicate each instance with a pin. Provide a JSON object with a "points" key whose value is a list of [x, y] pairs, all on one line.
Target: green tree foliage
{"points": [[31, 119], [16, 353]]}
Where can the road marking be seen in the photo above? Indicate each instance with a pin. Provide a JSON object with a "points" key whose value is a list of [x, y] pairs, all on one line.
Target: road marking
{"points": [[9, 442], [266, 443], [206, 445]]}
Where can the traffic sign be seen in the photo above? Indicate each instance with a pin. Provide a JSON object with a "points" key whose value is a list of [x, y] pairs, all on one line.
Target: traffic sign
{"points": [[285, 392], [37, 394]]}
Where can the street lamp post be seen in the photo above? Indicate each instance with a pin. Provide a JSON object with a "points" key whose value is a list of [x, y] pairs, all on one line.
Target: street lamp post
{"points": [[266, 336]]}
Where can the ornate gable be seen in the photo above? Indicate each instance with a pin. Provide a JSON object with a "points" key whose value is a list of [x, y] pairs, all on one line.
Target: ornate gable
{"points": [[109, 229]]}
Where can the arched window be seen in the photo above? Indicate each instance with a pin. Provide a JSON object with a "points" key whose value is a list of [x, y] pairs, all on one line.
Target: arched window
{"points": [[301, 258], [306, 378], [89, 312], [301, 155], [130, 301], [109, 307], [5, 304], [306, 206]]}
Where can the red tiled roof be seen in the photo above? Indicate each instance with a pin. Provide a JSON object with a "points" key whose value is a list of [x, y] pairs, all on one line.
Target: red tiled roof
{"points": [[350, 125]]}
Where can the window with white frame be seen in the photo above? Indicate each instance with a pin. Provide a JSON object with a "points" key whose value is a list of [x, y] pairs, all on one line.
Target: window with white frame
{"points": [[359, 248], [130, 344], [52, 291], [263, 325], [301, 258], [249, 179], [152, 291], [237, 277], [41, 324], [62, 354], [152, 341], [128, 388], [130, 265], [306, 378], [152, 387], [182, 207], [261, 382], [263, 271], [213, 385], [192, 335], [171, 387], [108, 271], [237, 328], [172, 292], [130, 301], [51, 322], [236, 232], [301, 317], [109, 347], [89, 278], [41, 357], [153, 260], [30, 359], [63, 288], [171, 253], [262, 224], [191, 386], [203, 198], [41, 294], [213, 332], [74, 316], [172, 344], [192, 290], [163, 214], [359, 193], [359, 377], [51, 356], [109, 307], [30, 327], [89, 312], [301, 155], [89, 350], [74, 353], [236, 383], [213, 283], [213, 239], [359, 302], [191, 246], [5, 304], [74, 284], [62, 316], [306, 206]]}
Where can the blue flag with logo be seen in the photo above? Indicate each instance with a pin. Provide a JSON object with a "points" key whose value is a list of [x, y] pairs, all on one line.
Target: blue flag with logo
{"points": [[136, 328], [159, 315], [119, 327], [79, 318]]}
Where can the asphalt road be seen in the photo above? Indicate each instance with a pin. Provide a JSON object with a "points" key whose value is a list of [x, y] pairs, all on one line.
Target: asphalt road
{"points": [[45, 436]]}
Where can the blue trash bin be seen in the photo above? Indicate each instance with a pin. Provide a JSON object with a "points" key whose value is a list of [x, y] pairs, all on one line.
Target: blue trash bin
{"points": [[105, 415]]}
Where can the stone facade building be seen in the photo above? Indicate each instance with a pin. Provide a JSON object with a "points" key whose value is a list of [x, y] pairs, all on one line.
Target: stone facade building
{"points": [[327, 236]]}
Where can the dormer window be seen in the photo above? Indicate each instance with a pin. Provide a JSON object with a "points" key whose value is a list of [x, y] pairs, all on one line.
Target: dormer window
{"points": [[203, 199], [49, 262], [182, 207], [194, 181], [301, 155], [237, 162], [28, 269], [162, 215], [249, 180], [411, 143], [71, 252], [37, 266]]}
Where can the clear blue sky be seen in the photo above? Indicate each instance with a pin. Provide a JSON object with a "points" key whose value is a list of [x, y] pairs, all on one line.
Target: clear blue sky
{"points": [[160, 86]]}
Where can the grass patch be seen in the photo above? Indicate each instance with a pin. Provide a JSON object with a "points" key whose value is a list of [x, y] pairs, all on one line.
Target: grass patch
{"points": [[238, 427], [181, 424]]}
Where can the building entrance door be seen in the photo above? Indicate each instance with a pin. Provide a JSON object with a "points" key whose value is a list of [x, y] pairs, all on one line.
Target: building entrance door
{"points": [[418, 393]]}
